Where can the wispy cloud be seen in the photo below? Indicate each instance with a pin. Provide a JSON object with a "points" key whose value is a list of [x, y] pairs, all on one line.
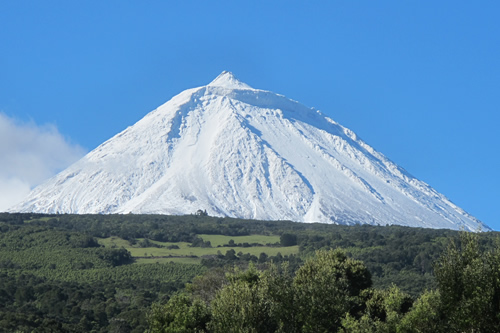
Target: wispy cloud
{"points": [[30, 154]]}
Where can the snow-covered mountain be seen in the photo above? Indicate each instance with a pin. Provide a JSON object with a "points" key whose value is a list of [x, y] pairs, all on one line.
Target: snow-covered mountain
{"points": [[236, 151]]}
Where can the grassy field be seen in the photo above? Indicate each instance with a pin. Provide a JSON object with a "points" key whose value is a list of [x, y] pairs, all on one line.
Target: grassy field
{"points": [[217, 240], [43, 219], [187, 254], [118, 242]]}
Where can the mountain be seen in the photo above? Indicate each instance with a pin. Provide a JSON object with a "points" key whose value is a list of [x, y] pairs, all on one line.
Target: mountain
{"points": [[233, 150]]}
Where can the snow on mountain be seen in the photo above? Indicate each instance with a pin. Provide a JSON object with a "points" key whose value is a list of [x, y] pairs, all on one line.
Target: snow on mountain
{"points": [[236, 151]]}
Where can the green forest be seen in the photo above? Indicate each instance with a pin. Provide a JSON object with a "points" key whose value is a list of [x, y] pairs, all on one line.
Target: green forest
{"points": [[196, 273]]}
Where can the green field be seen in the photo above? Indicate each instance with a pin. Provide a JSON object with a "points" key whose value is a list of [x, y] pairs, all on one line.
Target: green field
{"points": [[117, 242], [188, 254], [199, 251], [40, 219], [217, 240]]}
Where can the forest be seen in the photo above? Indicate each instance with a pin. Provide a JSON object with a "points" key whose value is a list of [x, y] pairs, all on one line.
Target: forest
{"points": [[196, 273]]}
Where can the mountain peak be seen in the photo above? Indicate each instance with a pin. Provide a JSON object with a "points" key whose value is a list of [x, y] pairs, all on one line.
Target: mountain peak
{"points": [[247, 153], [228, 80]]}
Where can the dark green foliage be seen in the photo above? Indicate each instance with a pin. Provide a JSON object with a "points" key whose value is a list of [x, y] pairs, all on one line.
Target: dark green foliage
{"points": [[383, 311], [332, 293], [242, 305], [316, 299], [181, 314], [469, 282], [425, 315], [231, 258], [327, 288], [54, 280], [206, 286], [198, 242], [288, 240], [467, 298]]}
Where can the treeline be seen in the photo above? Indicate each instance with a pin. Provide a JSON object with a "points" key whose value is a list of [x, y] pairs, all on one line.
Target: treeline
{"points": [[334, 293], [233, 259]]}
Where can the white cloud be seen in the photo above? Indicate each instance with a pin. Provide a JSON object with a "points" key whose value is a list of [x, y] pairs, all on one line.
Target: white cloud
{"points": [[30, 154]]}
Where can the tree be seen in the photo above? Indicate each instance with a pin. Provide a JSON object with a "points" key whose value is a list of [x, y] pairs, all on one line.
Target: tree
{"points": [[424, 316], [262, 257], [327, 288], [242, 306], [231, 255], [206, 286], [288, 240], [469, 283], [200, 212], [182, 314], [383, 312]]}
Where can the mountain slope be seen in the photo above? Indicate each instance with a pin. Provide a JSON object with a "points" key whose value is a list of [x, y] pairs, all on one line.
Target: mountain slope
{"points": [[236, 151]]}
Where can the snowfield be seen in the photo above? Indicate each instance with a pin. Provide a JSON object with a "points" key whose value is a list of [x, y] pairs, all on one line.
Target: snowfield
{"points": [[236, 151]]}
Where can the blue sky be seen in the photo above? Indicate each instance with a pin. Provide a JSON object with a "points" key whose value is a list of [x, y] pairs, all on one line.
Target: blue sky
{"points": [[417, 80]]}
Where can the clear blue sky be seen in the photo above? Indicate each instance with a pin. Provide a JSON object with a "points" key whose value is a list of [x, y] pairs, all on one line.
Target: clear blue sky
{"points": [[417, 80]]}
